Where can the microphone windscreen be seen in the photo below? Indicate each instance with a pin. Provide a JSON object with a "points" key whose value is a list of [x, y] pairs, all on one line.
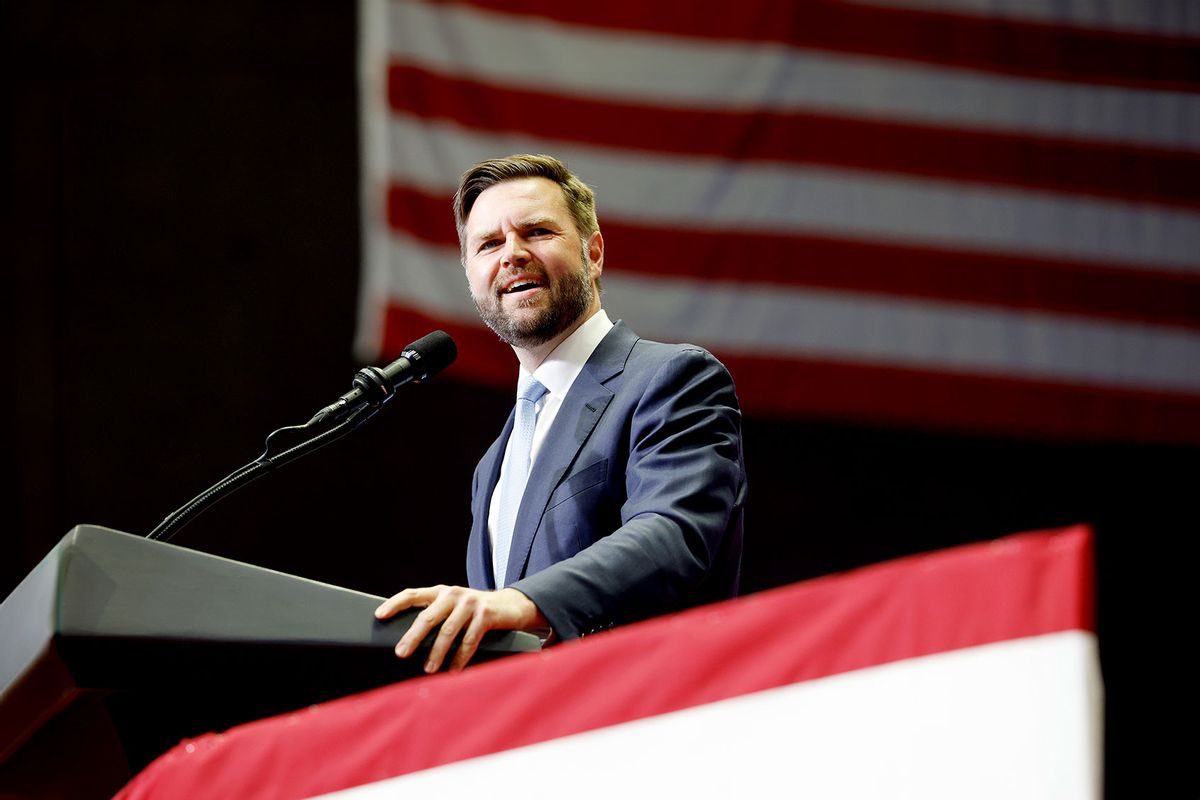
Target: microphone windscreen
{"points": [[431, 354]]}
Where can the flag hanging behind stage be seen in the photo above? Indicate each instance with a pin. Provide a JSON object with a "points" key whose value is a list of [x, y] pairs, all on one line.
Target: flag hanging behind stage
{"points": [[916, 212]]}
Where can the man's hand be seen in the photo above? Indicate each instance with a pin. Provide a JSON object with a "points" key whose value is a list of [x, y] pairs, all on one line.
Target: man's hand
{"points": [[456, 608]]}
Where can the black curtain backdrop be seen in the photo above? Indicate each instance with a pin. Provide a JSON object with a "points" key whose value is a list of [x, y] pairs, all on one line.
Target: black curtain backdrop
{"points": [[183, 238]]}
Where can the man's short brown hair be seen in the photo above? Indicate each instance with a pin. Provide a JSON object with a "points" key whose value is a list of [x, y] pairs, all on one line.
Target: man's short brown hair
{"points": [[581, 200]]}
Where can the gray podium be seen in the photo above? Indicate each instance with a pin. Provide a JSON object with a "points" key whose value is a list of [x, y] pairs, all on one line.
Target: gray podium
{"points": [[115, 647]]}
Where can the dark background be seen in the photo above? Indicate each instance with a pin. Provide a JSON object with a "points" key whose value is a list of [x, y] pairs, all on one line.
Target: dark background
{"points": [[183, 235]]}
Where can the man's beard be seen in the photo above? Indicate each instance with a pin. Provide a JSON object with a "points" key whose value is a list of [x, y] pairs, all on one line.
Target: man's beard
{"points": [[570, 297]]}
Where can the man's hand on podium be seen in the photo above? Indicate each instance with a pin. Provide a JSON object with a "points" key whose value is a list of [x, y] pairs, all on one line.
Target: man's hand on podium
{"points": [[458, 609]]}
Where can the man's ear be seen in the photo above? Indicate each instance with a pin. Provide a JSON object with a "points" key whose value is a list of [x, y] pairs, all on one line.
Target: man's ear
{"points": [[595, 255]]}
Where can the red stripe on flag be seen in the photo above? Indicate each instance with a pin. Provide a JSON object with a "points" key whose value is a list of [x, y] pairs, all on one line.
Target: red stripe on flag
{"points": [[1129, 293], [424, 216], [1120, 171], [995, 45], [877, 394], [1017, 587], [993, 405]]}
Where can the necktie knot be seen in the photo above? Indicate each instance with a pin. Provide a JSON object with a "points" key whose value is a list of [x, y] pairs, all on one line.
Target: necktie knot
{"points": [[530, 389]]}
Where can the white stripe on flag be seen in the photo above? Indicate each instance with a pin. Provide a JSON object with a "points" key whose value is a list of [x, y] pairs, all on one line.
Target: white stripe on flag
{"points": [[374, 154], [1015, 719], [671, 70], [783, 198], [812, 323], [1161, 17]]}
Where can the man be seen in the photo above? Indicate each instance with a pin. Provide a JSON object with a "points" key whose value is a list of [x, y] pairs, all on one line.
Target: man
{"points": [[615, 491]]}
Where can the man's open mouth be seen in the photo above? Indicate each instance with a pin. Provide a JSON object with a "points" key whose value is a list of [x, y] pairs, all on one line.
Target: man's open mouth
{"points": [[521, 287]]}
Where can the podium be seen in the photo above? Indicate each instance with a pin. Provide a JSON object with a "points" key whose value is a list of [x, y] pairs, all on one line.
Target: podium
{"points": [[115, 647]]}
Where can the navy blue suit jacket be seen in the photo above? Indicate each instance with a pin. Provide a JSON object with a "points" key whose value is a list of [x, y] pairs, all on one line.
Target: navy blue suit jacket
{"points": [[634, 505]]}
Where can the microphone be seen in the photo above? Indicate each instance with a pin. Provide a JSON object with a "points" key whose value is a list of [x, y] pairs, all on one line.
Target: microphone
{"points": [[419, 362]]}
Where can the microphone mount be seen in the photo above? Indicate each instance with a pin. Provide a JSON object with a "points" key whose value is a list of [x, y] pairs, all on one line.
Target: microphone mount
{"points": [[370, 387]]}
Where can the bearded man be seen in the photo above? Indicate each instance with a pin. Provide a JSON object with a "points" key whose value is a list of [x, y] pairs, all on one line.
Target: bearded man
{"points": [[616, 489]]}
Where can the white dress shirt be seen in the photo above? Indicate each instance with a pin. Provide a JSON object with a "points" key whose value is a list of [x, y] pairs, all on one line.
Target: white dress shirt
{"points": [[557, 373]]}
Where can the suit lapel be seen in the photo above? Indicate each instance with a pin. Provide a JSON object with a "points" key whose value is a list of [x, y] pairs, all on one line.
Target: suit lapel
{"points": [[479, 545], [581, 410]]}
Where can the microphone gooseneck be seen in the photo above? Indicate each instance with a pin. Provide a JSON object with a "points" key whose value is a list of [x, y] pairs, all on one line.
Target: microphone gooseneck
{"points": [[373, 387]]}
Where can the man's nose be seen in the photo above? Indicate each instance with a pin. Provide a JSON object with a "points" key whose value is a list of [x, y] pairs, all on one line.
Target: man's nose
{"points": [[514, 250]]}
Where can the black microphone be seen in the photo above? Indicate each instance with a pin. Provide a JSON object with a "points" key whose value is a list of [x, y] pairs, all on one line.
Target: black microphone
{"points": [[419, 362]]}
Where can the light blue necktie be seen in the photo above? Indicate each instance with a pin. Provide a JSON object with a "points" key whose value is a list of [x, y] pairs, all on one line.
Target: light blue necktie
{"points": [[516, 473]]}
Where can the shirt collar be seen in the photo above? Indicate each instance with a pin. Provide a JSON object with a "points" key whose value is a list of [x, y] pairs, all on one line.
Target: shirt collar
{"points": [[562, 367]]}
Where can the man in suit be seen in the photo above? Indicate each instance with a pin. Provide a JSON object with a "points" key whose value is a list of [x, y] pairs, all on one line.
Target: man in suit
{"points": [[615, 491]]}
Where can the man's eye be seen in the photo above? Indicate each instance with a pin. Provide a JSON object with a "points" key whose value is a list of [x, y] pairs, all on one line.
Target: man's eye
{"points": [[489, 244], [540, 232]]}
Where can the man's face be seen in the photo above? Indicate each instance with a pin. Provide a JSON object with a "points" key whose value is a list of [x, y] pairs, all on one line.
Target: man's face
{"points": [[530, 275]]}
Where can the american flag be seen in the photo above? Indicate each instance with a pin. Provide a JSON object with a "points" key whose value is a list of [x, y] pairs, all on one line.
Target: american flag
{"points": [[975, 215], [970, 672]]}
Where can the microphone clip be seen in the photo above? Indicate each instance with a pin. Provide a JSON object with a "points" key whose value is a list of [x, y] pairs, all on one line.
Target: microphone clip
{"points": [[375, 387], [370, 388]]}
